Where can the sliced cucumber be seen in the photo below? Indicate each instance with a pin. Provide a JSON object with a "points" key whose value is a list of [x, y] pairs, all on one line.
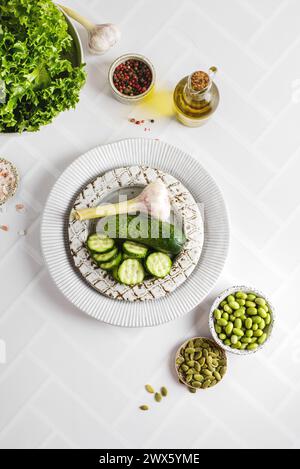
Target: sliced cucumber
{"points": [[110, 265], [135, 250], [115, 273], [106, 256], [99, 243], [131, 272], [159, 264]]}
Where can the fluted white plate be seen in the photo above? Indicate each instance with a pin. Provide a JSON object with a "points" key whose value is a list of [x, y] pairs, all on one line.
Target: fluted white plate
{"points": [[153, 153]]}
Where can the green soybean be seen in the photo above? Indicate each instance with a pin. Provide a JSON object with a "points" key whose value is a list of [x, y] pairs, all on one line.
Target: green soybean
{"points": [[248, 323], [260, 301], [262, 339], [217, 314], [251, 296], [222, 322], [229, 328], [251, 311], [241, 295], [238, 323]]}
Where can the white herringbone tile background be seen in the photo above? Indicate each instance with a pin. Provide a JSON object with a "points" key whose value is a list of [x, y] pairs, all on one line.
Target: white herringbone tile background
{"points": [[69, 381]]}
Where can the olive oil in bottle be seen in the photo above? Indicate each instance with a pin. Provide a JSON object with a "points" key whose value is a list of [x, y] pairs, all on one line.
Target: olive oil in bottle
{"points": [[196, 97]]}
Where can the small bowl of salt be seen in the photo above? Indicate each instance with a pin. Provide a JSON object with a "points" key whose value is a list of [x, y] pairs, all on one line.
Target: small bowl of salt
{"points": [[9, 180]]}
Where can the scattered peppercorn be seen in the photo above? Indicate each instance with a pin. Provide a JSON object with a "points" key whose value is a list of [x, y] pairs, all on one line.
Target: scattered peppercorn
{"points": [[132, 77], [152, 121]]}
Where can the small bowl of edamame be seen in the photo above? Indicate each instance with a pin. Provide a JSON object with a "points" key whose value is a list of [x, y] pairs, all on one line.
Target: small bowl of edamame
{"points": [[241, 320]]}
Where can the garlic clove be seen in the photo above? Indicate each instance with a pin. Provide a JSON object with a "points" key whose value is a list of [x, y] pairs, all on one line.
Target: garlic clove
{"points": [[102, 37]]}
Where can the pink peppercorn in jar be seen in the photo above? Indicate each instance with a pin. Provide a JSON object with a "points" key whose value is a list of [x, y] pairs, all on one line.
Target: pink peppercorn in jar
{"points": [[131, 78]]}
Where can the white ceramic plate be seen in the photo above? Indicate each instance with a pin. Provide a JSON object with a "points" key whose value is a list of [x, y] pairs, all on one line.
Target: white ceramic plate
{"points": [[129, 182], [145, 152]]}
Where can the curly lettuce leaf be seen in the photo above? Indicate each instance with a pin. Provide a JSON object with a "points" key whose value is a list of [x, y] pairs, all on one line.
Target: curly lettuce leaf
{"points": [[39, 79]]}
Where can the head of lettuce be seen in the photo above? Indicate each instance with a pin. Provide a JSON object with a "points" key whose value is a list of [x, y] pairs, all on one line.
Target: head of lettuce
{"points": [[36, 72]]}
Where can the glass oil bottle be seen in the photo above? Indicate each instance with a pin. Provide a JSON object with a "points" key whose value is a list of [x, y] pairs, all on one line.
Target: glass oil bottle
{"points": [[196, 97]]}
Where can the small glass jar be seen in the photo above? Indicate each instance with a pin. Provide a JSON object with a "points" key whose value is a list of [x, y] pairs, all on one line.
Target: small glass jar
{"points": [[196, 100], [125, 98]]}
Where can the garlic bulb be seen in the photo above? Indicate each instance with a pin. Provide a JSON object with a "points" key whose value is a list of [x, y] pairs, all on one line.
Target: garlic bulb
{"points": [[101, 37], [153, 200]]}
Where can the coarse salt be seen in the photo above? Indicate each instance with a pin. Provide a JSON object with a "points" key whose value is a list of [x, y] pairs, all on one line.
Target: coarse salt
{"points": [[7, 181]]}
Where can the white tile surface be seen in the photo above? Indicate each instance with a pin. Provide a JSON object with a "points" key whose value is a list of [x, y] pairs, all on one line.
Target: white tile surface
{"points": [[69, 381]]}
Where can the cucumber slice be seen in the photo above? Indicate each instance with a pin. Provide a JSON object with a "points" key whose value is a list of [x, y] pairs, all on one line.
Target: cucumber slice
{"points": [[110, 265], [135, 250], [106, 256], [115, 273], [99, 243], [131, 272], [159, 264]]}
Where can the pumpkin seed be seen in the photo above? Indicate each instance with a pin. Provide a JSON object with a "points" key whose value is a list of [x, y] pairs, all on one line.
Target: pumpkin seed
{"points": [[149, 388], [157, 396], [206, 384], [196, 384], [164, 391], [144, 407]]}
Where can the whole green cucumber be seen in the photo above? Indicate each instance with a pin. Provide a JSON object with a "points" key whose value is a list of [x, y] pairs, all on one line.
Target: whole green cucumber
{"points": [[159, 235]]}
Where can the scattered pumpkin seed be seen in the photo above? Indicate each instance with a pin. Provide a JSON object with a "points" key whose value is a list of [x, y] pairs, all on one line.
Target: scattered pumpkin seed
{"points": [[157, 396], [144, 407], [149, 388], [164, 391]]}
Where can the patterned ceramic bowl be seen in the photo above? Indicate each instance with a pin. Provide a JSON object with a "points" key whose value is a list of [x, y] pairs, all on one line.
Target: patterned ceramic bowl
{"points": [[15, 173], [216, 303]]}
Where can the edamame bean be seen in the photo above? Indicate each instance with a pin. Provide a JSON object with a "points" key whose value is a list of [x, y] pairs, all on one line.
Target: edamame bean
{"points": [[229, 328], [262, 339], [252, 347], [251, 296], [248, 323], [255, 327], [262, 313], [218, 329], [222, 322], [251, 311], [257, 333], [268, 319], [234, 339], [238, 345], [250, 304], [230, 298], [238, 332], [239, 312], [217, 314], [227, 342], [227, 309], [256, 320], [222, 336], [246, 340], [241, 302], [260, 301], [241, 294], [249, 333], [234, 305], [238, 323], [225, 316], [223, 303], [262, 324]]}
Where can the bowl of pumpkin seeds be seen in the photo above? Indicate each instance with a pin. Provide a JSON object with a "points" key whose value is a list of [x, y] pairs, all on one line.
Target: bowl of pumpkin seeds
{"points": [[200, 363], [241, 320]]}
